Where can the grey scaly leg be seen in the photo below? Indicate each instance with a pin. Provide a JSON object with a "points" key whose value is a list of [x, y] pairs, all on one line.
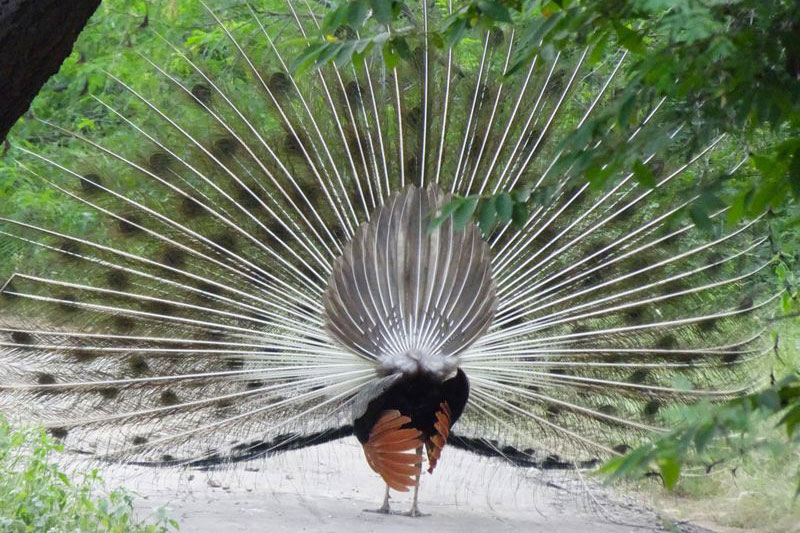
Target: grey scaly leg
{"points": [[383, 509], [414, 511]]}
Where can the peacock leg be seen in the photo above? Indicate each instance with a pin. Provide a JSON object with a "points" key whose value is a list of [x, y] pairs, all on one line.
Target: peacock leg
{"points": [[414, 511], [383, 509]]}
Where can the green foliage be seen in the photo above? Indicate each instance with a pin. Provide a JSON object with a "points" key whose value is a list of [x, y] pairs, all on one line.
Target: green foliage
{"points": [[113, 40], [725, 66], [490, 210], [493, 210], [711, 433], [36, 496]]}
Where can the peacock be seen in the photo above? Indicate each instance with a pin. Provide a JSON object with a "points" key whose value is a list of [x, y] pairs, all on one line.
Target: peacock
{"points": [[269, 264]]}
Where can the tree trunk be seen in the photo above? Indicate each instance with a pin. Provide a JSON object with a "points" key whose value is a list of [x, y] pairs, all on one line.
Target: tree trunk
{"points": [[35, 38]]}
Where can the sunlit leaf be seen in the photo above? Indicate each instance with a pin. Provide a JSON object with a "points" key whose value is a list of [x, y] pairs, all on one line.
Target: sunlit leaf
{"points": [[670, 471]]}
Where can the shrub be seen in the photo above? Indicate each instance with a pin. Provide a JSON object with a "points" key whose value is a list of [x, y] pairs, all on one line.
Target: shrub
{"points": [[36, 496]]}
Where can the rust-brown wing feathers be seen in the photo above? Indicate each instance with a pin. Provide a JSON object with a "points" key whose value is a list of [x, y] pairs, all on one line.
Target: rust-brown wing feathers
{"points": [[387, 450], [436, 442]]}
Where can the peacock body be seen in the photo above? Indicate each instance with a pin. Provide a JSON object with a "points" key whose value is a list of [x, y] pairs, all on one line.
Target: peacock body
{"points": [[261, 272]]}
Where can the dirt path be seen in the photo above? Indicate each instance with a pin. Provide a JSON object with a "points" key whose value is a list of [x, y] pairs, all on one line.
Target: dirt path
{"points": [[327, 488]]}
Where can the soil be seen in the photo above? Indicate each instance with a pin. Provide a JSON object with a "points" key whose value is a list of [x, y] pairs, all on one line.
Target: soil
{"points": [[328, 488]]}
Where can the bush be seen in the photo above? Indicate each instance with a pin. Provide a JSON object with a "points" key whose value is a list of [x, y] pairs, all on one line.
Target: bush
{"points": [[36, 496]]}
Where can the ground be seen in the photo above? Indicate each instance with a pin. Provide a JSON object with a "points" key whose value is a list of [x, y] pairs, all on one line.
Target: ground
{"points": [[328, 488]]}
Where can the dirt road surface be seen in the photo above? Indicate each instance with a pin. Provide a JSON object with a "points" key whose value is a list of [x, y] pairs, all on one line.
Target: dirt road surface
{"points": [[328, 488]]}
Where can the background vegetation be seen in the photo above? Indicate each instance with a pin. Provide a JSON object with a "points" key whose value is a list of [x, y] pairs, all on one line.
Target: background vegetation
{"points": [[36, 496], [729, 66]]}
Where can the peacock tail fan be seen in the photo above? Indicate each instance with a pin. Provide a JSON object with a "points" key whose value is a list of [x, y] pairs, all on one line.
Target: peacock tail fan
{"points": [[222, 301]]}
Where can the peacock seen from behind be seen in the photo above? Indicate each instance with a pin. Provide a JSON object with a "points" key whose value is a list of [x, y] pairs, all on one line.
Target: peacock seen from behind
{"points": [[261, 271]]}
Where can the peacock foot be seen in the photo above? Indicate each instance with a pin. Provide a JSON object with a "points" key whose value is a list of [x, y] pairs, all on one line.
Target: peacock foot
{"points": [[383, 509], [414, 512]]}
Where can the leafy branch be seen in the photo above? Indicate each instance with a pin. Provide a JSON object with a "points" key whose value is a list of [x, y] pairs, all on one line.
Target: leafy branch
{"points": [[491, 210], [713, 433], [725, 66]]}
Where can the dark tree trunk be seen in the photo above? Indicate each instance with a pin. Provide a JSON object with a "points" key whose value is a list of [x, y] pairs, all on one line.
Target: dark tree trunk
{"points": [[35, 38]]}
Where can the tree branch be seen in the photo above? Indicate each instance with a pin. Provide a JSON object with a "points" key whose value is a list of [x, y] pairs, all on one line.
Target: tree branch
{"points": [[35, 38]]}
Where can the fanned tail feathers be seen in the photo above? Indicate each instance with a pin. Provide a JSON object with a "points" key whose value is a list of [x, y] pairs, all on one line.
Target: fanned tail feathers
{"points": [[186, 320]]}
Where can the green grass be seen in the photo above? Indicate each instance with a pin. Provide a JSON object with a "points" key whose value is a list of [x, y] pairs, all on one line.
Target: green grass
{"points": [[36, 496]]}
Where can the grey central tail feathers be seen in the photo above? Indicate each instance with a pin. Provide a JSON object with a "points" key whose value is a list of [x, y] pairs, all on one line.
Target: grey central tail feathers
{"points": [[408, 296]]}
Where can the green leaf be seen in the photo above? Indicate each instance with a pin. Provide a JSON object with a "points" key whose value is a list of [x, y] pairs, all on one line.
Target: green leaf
{"points": [[670, 471], [700, 217], [401, 47], [766, 165], [537, 31], [382, 11], [357, 12], [643, 174], [599, 50], [389, 56], [504, 206], [447, 210], [626, 109], [634, 460], [791, 420], [307, 58], [611, 467], [464, 212], [328, 52], [738, 206], [487, 215], [335, 18], [629, 38], [543, 196], [394, 49], [495, 10], [345, 54], [521, 194], [519, 215], [455, 31], [769, 400], [550, 8], [704, 435]]}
